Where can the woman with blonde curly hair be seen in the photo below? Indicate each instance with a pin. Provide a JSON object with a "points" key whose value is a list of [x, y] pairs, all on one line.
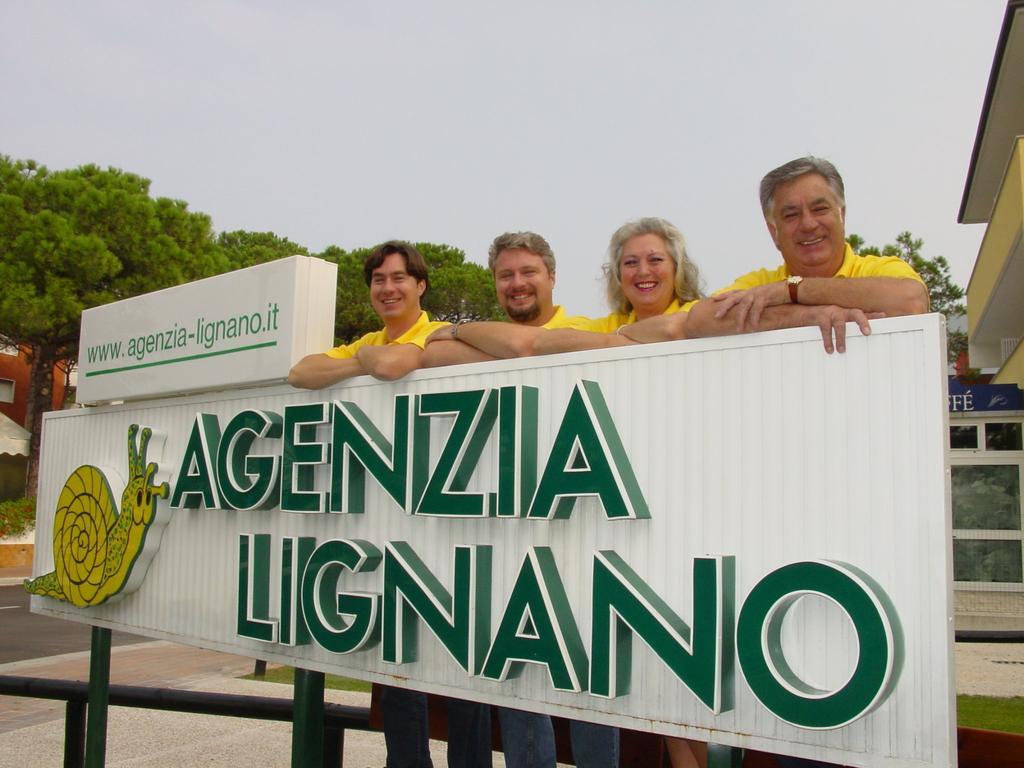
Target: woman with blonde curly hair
{"points": [[648, 274]]}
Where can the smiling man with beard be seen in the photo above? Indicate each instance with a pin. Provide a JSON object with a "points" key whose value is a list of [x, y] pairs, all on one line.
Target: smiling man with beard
{"points": [[523, 266]]}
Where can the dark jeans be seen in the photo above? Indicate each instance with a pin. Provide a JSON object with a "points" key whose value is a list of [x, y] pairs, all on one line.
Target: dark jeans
{"points": [[406, 731], [529, 741], [801, 762]]}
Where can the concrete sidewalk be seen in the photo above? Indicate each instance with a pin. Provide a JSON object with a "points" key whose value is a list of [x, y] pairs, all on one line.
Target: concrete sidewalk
{"points": [[32, 730]]}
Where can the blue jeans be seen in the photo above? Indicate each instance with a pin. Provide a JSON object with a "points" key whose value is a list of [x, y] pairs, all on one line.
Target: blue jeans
{"points": [[407, 734], [529, 741], [469, 734]]}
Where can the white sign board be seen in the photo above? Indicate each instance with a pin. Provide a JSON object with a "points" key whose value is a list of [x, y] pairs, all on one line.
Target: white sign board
{"points": [[242, 328], [740, 540]]}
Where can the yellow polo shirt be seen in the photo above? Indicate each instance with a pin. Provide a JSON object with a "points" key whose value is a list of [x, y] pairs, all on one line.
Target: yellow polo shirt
{"points": [[616, 320], [852, 266], [562, 320], [417, 335]]}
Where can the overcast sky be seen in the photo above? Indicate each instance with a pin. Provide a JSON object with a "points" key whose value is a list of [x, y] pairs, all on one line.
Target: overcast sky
{"points": [[348, 123]]}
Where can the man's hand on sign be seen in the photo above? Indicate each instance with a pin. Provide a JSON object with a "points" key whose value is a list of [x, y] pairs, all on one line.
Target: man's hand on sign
{"points": [[748, 305], [832, 320]]}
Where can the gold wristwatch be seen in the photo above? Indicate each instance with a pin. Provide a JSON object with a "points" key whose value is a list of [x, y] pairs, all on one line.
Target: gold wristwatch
{"points": [[793, 282]]}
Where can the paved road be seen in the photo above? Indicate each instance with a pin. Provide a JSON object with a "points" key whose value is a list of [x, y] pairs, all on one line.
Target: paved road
{"points": [[26, 635]]}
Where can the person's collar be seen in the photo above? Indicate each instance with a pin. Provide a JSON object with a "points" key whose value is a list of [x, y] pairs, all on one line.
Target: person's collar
{"points": [[556, 313], [848, 258], [844, 265], [669, 310], [420, 318]]}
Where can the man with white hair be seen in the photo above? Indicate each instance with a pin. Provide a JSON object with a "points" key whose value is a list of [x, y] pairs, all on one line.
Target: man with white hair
{"points": [[821, 281]]}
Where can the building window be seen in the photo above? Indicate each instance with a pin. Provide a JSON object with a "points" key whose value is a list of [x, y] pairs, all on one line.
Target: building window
{"points": [[964, 437], [986, 561], [6, 391], [986, 476], [986, 496], [1003, 436]]}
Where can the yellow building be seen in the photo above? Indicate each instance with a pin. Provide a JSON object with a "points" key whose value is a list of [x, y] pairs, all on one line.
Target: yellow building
{"points": [[986, 451]]}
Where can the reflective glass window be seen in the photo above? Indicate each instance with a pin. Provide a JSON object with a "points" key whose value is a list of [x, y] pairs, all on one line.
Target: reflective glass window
{"points": [[986, 496], [963, 437], [985, 560], [1001, 436]]}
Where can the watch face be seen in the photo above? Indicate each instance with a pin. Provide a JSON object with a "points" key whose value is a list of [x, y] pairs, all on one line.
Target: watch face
{"points": [[793, 281]]}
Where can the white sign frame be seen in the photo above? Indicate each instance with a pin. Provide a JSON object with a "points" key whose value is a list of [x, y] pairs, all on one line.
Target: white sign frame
{"points": [[242, 328], [786, 454]]}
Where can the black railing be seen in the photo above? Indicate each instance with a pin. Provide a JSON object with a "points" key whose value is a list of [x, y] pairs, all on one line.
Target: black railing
{"points": [[337, 717], [977, 748]]}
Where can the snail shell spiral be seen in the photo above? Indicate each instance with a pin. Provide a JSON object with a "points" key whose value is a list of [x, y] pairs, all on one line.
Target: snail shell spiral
{"points": [[85, 513], [95, 546]]}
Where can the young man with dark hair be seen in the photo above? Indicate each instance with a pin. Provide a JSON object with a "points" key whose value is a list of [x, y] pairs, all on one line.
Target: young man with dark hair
{"points": [[397, 278], [396, 275]]}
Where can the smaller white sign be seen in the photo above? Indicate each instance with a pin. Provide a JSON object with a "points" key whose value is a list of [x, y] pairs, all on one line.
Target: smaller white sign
{"points": [[243, 328]]}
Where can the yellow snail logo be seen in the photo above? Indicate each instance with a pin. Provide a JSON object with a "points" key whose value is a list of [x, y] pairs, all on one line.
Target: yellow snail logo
{"points": [[95, 548]]}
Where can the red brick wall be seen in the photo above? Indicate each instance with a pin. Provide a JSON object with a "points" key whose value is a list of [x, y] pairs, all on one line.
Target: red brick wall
{"points": [[16, 368]]}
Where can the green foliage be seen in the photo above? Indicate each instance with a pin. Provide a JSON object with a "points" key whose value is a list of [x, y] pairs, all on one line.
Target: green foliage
{"points": [[79, 238], [991, 713], [246, 249], [353, 315], [17, 516], [956, 344], [945, 296], [75, 239], [460, 291]]}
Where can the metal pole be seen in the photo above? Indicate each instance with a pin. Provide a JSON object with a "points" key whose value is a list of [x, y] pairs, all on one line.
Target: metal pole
{"points": [[99, 695], [308, 726], [74, 734], [334, 746], [720, 756]]}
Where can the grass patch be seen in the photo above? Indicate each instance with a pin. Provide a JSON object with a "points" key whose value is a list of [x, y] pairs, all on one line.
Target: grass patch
{"points": [[286, 675], [991, 713]]}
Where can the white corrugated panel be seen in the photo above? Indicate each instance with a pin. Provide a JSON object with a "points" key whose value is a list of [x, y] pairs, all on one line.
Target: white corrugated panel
{"points": [[761, 447]]}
